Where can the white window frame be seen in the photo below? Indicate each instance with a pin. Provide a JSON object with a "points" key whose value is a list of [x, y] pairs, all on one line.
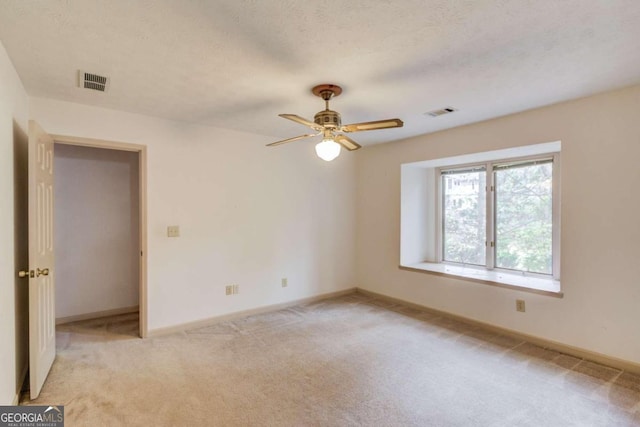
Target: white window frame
{"points": [[490, 213], [419, 221], [439, 250]]}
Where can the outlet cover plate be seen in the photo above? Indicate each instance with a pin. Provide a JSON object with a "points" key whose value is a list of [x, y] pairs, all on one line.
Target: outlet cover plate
{"points": [[173, 231]]}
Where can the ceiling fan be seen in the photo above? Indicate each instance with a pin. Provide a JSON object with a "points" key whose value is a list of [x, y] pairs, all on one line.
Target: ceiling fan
{"points": [[328, 123]]}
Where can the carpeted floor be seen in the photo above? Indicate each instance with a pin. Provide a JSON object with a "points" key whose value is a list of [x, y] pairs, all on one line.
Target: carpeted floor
{"points": [[347, 361]]}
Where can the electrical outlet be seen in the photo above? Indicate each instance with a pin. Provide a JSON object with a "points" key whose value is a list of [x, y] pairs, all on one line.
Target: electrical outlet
{"points": [[520, 305], [284, 282], [228, 290], [236, 289], [173, 231]]}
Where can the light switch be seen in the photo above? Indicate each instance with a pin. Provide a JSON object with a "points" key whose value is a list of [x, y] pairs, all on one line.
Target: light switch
{"points": [[173, 231]]}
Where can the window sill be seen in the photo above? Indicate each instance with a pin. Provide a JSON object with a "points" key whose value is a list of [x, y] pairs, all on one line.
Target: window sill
{"points": [[517, 282]]}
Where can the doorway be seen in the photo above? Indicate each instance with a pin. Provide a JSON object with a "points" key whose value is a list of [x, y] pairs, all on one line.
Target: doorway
{"points": [[100, 230], [39, 185]]}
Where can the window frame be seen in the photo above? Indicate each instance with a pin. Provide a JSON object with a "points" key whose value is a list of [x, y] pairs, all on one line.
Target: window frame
{"points": [[473, 167], [490, 220]]}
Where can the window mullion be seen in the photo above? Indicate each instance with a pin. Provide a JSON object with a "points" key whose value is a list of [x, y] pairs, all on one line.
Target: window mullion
{"points": [[490, 217]]}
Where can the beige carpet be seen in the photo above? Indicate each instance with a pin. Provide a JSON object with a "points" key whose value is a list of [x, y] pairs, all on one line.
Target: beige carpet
{"points": [[348, 361]]}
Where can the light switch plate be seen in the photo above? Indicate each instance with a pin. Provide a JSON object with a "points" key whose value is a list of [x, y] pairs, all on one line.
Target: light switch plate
{"points": [[173, 231]]}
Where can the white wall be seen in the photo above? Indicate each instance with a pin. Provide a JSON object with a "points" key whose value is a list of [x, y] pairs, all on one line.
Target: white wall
{"points": [[600, 234], [13, 293], [96, 229], [248, 215]]}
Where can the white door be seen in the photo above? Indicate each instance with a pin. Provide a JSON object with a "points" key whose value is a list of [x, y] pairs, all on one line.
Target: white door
{"points": [[42, 315]]}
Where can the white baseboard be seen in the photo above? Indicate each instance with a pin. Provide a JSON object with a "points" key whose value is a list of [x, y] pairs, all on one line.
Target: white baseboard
{"points": [[625, 365], [244, 313], [97, 314]]}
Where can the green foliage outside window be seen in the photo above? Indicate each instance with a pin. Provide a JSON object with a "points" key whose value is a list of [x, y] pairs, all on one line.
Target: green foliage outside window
{"points": [[523, 217], [464, 217]]}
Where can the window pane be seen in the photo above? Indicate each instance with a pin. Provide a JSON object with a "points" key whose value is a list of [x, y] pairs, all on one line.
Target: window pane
{"points": [[464, 217], [524, 218]]}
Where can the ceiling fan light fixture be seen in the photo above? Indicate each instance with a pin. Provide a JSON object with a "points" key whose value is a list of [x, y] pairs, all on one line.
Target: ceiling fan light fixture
{"points": [[328, 123], [328, 149]]}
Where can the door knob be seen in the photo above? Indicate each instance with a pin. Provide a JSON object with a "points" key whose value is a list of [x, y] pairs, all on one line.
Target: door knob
{"points": [[31, 273]]}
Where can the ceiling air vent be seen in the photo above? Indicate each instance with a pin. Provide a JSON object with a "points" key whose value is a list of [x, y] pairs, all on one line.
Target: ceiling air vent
{"points": [[441, 112], [92, 81]]}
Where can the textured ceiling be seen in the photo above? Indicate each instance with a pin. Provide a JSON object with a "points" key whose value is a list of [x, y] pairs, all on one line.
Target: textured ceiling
{"points": [[238, 63]]}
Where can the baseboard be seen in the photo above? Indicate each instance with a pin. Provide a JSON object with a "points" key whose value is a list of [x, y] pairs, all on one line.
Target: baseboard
{"points": [[244, 313], [97, 314], [581, 353]]}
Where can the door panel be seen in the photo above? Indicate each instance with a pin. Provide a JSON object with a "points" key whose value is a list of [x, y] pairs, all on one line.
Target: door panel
{"points": [[42, 336]]}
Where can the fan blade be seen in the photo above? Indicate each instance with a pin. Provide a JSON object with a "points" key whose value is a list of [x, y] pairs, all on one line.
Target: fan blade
{"points": [[302, 121], [347, 142], [380, 124], [295, 138]]}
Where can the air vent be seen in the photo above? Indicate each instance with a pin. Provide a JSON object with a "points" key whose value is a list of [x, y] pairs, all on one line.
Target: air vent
{"points": [[92, 81], [441, 112]]}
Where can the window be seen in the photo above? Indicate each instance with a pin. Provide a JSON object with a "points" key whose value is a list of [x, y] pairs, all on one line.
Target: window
{"points": [[464, 216], [489, 217], [524, 216], [500, 215]]}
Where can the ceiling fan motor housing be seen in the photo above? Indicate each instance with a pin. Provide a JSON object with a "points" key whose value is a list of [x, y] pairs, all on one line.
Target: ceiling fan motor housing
{"points": [[328, 118]]}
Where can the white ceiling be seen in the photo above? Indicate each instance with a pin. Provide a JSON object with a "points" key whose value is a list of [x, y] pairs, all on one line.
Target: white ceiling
{"points": [[238, 63]]}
